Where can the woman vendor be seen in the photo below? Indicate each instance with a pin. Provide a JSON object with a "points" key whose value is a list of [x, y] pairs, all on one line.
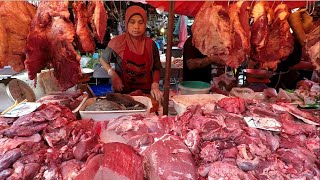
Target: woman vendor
{"points": [[136, 57]]}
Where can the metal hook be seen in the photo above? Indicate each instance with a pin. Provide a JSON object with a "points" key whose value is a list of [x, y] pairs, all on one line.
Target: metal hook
{"points": [[311, 7]]}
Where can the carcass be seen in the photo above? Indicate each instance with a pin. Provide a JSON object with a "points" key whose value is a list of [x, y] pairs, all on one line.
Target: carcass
{"points": [[15, 19]]}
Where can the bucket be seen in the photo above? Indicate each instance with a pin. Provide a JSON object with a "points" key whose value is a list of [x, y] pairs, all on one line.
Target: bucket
{"points": [[194, 87], [15, 90]]}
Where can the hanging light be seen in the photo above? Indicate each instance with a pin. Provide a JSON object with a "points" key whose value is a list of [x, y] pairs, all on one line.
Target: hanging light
{"points": [[162, 30]]}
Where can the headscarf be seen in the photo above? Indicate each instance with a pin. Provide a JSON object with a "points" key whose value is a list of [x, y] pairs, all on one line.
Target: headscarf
{"points": [[135, 44]]}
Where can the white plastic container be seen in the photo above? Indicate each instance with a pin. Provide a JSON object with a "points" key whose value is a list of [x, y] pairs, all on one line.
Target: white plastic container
{"points": [[108, 115], [181, 102]]}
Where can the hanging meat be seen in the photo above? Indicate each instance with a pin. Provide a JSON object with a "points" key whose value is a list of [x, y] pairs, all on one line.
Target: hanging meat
{"points": [[85, 42], [312, 47], [240, 33], [211, 30], [49, 44], [218, 31], [278, 43], [15, 19], [260, 29], [98, 19]]}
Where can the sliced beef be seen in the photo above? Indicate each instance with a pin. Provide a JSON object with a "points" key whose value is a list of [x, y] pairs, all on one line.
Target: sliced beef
{"points": [[169, 158]]}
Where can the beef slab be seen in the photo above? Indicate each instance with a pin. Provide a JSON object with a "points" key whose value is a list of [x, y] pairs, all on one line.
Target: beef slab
{"points": [[169, 158], [121, 162]]}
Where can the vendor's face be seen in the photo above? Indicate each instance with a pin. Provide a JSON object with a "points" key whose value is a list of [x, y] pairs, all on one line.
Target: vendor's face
{"points": [[136, 26]]}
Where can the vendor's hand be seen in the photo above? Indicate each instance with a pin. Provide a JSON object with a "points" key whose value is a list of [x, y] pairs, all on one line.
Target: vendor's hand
{"points": [[155, 92], [116, 81]]}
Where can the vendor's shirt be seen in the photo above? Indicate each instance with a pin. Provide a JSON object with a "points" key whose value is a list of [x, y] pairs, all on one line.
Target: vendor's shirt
{"points": [[110, 56], [190, 52]]}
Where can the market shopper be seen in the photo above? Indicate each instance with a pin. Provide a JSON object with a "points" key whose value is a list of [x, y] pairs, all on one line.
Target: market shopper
{"points": [[136, 57], [196, 66]]}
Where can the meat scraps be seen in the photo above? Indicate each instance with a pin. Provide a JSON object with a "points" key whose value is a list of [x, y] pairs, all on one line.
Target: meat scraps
{"points": [[15, 20], [49, 44]]}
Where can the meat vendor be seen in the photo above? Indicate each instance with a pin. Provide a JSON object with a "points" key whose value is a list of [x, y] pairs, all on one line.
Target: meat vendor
{"points": [[300, 64], [196, 66], [136, 57]]}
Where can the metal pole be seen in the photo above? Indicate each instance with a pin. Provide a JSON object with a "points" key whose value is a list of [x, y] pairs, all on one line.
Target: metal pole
{"points": [[168, 58]]}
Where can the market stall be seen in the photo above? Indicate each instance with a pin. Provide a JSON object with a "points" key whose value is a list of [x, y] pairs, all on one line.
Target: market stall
{"points": [[222, 130]]}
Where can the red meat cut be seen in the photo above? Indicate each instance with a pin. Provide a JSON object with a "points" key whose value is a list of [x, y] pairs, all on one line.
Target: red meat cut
{"points": [[85, 40], [169, 158]]}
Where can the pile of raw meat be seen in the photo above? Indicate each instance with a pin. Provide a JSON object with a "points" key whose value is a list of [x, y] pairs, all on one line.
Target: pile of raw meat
{"points": [[213, 142], [46, 144], [15, 19], [225, 32], [206, 142], [52, 34]]}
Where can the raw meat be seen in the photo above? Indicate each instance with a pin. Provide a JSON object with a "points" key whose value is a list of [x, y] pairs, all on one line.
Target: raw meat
{"points": [[233, 105], [226, 171], [91, 167], [211, 30], [260, 26], [169, 158], [312, 47], [84, 37], [14, 27], [49, 43], [240, 32], [271, 39], [98, 18], [8, 158], [279, 42], [120, 162]]}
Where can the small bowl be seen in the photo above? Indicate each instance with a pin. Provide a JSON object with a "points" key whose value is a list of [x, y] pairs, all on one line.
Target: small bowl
{"points": [[87, 72]]}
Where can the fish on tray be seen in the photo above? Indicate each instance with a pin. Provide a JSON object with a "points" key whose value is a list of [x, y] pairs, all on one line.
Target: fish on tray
{"points": [[115, 101]]}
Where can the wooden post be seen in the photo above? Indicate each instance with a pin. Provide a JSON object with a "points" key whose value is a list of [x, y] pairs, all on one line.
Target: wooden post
{"points": [[168, 58]]}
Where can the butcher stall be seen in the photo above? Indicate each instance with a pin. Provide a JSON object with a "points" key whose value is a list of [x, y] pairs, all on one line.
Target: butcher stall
{"points": [[231, 131]]}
